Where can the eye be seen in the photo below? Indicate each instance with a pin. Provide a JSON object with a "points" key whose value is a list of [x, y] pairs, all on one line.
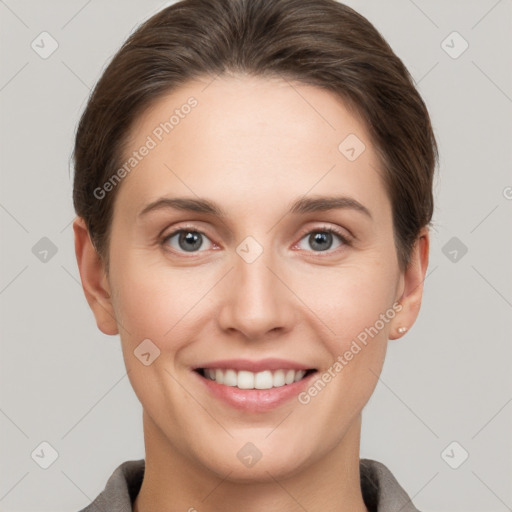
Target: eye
{"points": [[186, 240], [189, 239], [321, 239]]}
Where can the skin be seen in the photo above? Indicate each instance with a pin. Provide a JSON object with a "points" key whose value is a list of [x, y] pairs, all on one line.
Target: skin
{"points": [[253, 146]]}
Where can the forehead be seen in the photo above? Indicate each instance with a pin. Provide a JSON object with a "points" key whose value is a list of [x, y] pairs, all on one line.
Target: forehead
{"points": [[250, 140]]}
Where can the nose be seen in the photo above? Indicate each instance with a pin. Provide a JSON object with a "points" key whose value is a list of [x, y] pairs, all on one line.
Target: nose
{"points": [[257, 302]]}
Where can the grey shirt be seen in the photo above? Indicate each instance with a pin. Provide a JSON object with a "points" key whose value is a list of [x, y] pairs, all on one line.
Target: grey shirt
{"points": [[380, 489]]}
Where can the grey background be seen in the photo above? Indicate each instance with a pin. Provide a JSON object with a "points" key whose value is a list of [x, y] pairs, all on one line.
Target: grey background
{"points": [[448, 379]]}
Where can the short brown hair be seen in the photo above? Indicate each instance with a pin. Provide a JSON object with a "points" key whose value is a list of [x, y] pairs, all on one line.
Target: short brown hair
{"points": [[317, 42]]}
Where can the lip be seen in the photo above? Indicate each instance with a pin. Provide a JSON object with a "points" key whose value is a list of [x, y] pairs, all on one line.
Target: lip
{"points": [[255, 400]]}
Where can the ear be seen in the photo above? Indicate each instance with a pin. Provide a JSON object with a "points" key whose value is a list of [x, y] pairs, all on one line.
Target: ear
{"points": [[94, 279], [412, 286]]}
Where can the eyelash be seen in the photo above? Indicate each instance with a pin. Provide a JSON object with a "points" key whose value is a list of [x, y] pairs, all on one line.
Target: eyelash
{"points": [[346, 241]]}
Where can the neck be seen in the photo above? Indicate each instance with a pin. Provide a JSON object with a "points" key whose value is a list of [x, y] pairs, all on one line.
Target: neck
{"points": [[173, 482]]}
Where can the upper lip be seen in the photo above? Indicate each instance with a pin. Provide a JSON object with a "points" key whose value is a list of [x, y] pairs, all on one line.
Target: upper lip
{"points": [[255, 366]]}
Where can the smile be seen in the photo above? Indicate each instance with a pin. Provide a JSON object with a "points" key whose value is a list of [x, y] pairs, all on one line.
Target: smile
{"points": [[244, 379], [253, 386]]}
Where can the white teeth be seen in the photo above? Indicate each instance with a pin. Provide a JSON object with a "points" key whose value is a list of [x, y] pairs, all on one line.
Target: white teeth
{"points": [[263, 380], [299, 375], [230, 378], [278, 378], [249, 380], [290, 376], [245, 380]]}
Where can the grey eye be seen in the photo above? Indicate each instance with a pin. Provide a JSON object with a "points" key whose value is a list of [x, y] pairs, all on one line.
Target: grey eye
{"points": [[187, 240], [321, 239]]}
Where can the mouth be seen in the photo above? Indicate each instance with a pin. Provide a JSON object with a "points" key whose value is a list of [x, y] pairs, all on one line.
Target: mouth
{"points": [[254, 387], [244, 379]]}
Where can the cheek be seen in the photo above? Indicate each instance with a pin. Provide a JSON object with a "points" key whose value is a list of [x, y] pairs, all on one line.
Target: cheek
{"points": [[350, 299], [357, 306], [155, 304], [160, 303]]}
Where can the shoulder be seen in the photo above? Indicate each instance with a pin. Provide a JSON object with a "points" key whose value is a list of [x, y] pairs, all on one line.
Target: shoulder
{"points": [[121, 488], [381, 490]]}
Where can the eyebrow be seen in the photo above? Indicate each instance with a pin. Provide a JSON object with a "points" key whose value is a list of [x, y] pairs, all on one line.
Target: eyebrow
{"points": [[300, 206]]}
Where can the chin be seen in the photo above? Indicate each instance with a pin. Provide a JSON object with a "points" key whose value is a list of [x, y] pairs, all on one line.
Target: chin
{"points": [[259, 461]]}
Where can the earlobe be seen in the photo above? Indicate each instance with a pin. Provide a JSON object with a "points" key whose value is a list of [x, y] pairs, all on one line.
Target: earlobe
{"points": [[412, 286], [94, 280]]}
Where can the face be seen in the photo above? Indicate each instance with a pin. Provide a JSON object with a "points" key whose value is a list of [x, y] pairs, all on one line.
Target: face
{"points": [[285, 291]]}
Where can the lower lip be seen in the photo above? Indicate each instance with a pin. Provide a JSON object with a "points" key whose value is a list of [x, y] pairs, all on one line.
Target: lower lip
{"points": [[255, 400]]}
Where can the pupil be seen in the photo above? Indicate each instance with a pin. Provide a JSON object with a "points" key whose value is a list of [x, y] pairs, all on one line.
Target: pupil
{"points": [[192, 241], [321, 238]]}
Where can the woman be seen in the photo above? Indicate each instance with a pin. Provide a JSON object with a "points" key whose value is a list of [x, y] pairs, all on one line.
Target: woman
{"points": [[253, 189]]}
